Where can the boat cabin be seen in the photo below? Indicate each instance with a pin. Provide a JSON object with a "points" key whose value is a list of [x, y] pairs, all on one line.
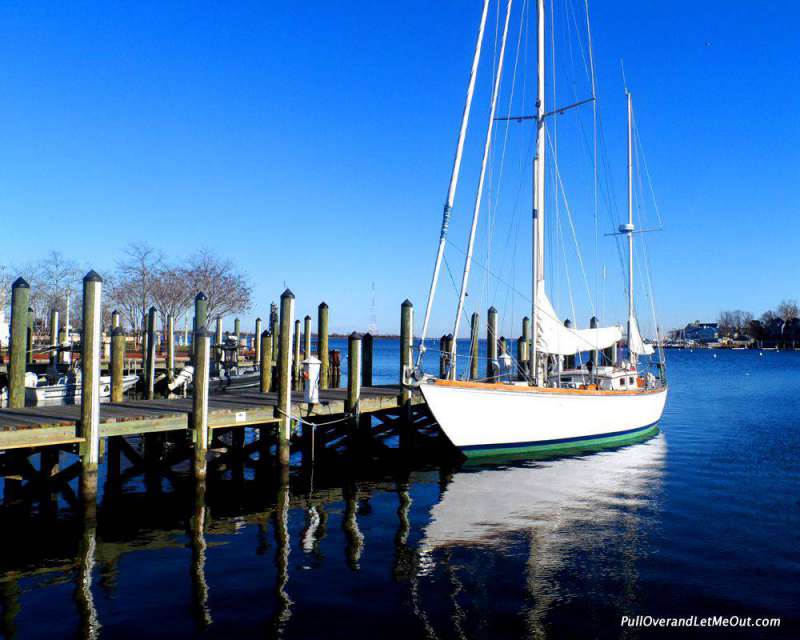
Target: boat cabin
{"points": [[602, 378]]}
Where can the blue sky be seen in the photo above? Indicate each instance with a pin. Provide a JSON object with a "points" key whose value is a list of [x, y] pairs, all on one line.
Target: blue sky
{"points": [[312, 143]]}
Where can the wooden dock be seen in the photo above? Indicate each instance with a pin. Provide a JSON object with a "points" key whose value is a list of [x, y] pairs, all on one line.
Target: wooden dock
{"points": [[60, 425]]}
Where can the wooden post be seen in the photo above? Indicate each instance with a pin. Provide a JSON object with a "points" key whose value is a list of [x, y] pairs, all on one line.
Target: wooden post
{"points": [[237, 329], [29, 338], [115, 319], [199, 424], [170, 328], [257, 342], [306, 337], [366, 360], [20, 299], [150, 362], [296, 357], [474, 358], [274, 329], [491, 345], [218, 334], [524, 362], [443, 357], [284, 408], [354, 376], [569, 361], [520, 364], [266, 366], [322, 346], [53, 336], [595, 353], [200, 313], [117, 363], [406, 345], [90, 383]]}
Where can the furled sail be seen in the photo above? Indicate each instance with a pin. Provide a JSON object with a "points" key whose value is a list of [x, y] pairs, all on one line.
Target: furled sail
{"points": [[554, 338], [635, 342]]}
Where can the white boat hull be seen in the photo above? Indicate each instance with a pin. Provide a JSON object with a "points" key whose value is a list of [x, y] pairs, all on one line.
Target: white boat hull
{"points": [[484, 419], [70, 393]]}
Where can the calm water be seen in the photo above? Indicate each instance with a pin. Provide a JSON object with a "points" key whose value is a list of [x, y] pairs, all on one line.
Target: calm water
{"points": [[703, 519]]}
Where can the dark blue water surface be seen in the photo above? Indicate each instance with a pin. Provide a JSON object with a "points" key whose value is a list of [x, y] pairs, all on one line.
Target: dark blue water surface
{"points": [[703, 519]]}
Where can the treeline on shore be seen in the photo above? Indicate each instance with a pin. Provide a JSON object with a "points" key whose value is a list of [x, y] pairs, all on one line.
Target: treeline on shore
{"points": [[143, 277]]}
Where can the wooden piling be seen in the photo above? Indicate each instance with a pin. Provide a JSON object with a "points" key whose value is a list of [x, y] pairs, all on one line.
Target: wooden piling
{"points": [[524, 361], [474, 358], [265, 340], [296, 351], [200, 313], [491, 344], [443, 357], [257, 342], [366, 360], [274, 329], [306, 337], [569, 361], [20, 299], [90, 383], [117, 363], [115, 320], [322, 345], [29, 338], [170, 329], [284, 408], [353, 376], [199, 424], [595, 353], [237, 329], [406, 346], [150, 362], [53, 336]]}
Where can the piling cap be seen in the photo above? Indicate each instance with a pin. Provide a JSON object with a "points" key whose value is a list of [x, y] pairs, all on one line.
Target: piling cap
{"points": [[265, 333], [92, 276], [117, 331], [323, 305], [258, 319], [30, 309], [567, 322], [307, 318], [593, 322], [287, 294], [407, 303], [21, 283], [152, 310], [492, 310], [200, 296], [355, 335]]}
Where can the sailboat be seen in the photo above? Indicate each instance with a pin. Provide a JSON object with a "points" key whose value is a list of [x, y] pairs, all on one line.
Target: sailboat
{"points": [[607, 401]]}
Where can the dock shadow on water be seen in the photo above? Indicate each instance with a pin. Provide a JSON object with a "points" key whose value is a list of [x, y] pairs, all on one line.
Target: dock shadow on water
{"points": [[520, 549]]}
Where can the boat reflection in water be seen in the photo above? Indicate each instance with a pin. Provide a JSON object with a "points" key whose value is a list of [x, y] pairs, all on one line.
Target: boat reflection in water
{"points": [[509, 548], [578, 519]]}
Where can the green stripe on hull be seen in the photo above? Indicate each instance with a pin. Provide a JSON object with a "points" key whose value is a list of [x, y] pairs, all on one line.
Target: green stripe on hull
{"points": [[575, 446]]}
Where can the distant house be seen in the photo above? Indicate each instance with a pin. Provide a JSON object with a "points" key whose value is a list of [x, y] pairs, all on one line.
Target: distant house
{"points": [[704, 332]]}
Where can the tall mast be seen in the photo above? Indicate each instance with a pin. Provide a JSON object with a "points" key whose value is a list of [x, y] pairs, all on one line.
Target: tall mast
{"points": [[628, 228], [451, 191], [479, 194], [537, 253]]}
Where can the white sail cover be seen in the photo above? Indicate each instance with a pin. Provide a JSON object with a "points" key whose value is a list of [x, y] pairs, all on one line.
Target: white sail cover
{"points": [[554, 338], [635, 342]]}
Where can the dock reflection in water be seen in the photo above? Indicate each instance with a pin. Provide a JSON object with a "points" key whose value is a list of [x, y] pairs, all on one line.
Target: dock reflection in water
{"points": [[440, 553]]}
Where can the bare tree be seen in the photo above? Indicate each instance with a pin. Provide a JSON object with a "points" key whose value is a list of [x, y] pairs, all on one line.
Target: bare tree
{"points": [[787, 310], [768, 316], [136, 273], [734, 323], [171, 292], [53, 280], [228, 290]]}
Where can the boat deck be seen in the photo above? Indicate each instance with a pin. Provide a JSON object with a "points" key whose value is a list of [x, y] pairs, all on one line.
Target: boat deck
{"points": [[53, 425]]}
